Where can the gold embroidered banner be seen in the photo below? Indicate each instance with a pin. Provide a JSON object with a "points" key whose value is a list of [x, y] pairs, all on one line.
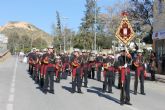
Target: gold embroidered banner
{"points": [[125, 32]]}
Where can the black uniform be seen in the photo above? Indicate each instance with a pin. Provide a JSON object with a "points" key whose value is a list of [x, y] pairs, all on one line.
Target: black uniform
{"points": [[50, 71], [85, 69], [124, 79], [139, 74], [66, 67], [108, 74], [76, 74], [32, 58], [99, 63]]}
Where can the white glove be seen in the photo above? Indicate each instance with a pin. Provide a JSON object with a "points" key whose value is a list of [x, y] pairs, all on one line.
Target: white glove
{"points": [[125, 65]]}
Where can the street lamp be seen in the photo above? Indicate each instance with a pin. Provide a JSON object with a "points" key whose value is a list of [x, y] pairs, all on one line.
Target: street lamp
{"points": [[64, 18], [95, 25], [139, 39]]}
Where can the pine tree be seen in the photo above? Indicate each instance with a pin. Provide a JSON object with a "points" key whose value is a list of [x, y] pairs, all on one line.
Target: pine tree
{"points": [[87, 27], [57, 41]]}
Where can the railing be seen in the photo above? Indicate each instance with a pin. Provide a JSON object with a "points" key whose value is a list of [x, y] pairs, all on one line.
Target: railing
{"points": [[4, 55]]}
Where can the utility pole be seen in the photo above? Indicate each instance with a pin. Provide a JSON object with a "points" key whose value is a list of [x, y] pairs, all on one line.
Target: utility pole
{"points": [[95, 25]]}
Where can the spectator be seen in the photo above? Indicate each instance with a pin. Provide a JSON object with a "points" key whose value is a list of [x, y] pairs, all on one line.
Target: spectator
{"points": [[153, 65]]}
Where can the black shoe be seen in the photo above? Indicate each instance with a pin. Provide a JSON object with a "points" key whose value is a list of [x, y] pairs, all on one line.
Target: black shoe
{"points": [[103, 91], [51, 91], [143, 93], [128, 103], [85, 85], [135, 93], [109, 91], [118, 87], [121, 103], [44, 91], [79, 91], [72, 91]]}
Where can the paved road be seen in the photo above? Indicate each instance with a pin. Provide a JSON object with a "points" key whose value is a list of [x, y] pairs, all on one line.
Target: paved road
{"points": [[19, 92]]}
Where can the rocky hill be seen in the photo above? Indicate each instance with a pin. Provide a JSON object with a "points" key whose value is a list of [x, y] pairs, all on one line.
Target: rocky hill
{"points": [[25, 29]]}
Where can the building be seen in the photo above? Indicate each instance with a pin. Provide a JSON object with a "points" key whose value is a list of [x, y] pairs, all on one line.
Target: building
{"points": [[159, 33]]}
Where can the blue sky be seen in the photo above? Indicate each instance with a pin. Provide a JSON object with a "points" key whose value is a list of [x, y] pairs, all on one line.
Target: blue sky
{"points": [[42, 13]]}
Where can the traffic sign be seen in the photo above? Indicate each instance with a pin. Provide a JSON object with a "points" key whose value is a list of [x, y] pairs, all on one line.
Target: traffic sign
{"points": [[125, 32]]}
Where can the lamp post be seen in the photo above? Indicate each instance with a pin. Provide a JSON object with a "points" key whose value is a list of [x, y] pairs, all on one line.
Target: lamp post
{"points": [[138, 35], [64, 41], [95, 25]]}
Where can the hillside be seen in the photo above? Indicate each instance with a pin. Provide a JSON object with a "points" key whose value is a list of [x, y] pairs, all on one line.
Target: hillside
{"points": [[25, 29]]}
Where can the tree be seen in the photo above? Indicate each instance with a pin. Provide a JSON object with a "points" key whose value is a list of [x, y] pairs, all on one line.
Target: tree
{"points": [[107, 25], [13, 41], [39, 43], [88, 22], [141, 15], [25, 43], [57, 40]]}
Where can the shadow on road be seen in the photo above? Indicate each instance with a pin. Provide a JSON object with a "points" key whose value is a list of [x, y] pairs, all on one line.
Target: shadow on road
{"points": [[99, 92], [67, 88]]}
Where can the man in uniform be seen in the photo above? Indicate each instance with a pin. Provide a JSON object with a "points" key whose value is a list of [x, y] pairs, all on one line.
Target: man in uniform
{"points": [[92, 65], [139, 72], [58, 69], [37, 66], [49, 58], [124, 61], [109, 71], [43, 65], [31, 57], [99, 65], [76, 72], [66, 66], [85, 67]]}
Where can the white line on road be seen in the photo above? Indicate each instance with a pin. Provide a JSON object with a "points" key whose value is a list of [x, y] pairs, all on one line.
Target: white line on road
{"points": [[9, 106], [12, 85], [11, 98], [12, 90]]}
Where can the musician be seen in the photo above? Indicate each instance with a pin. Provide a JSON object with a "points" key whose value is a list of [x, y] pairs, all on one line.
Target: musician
{"points": [[31, 58], [43, 65], [76, 72], [85, 67], [92, 66], [139, 72], [99, 65], [37, 66], [58, 68], [124, 61], [108, 72], [66, 66], [49, 59]]}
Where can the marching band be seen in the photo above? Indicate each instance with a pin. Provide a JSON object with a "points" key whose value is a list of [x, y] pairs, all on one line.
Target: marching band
{"points": [[46, 65]]}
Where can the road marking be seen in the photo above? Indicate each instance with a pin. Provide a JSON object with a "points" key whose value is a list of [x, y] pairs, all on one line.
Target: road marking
{"points": [[11, 98], [12, 90], [9, 106], [12, 85], [13, 81], [131, 107]]}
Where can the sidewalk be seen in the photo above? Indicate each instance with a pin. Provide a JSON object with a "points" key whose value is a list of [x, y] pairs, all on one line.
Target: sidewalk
{"points": [[160, 78]]}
